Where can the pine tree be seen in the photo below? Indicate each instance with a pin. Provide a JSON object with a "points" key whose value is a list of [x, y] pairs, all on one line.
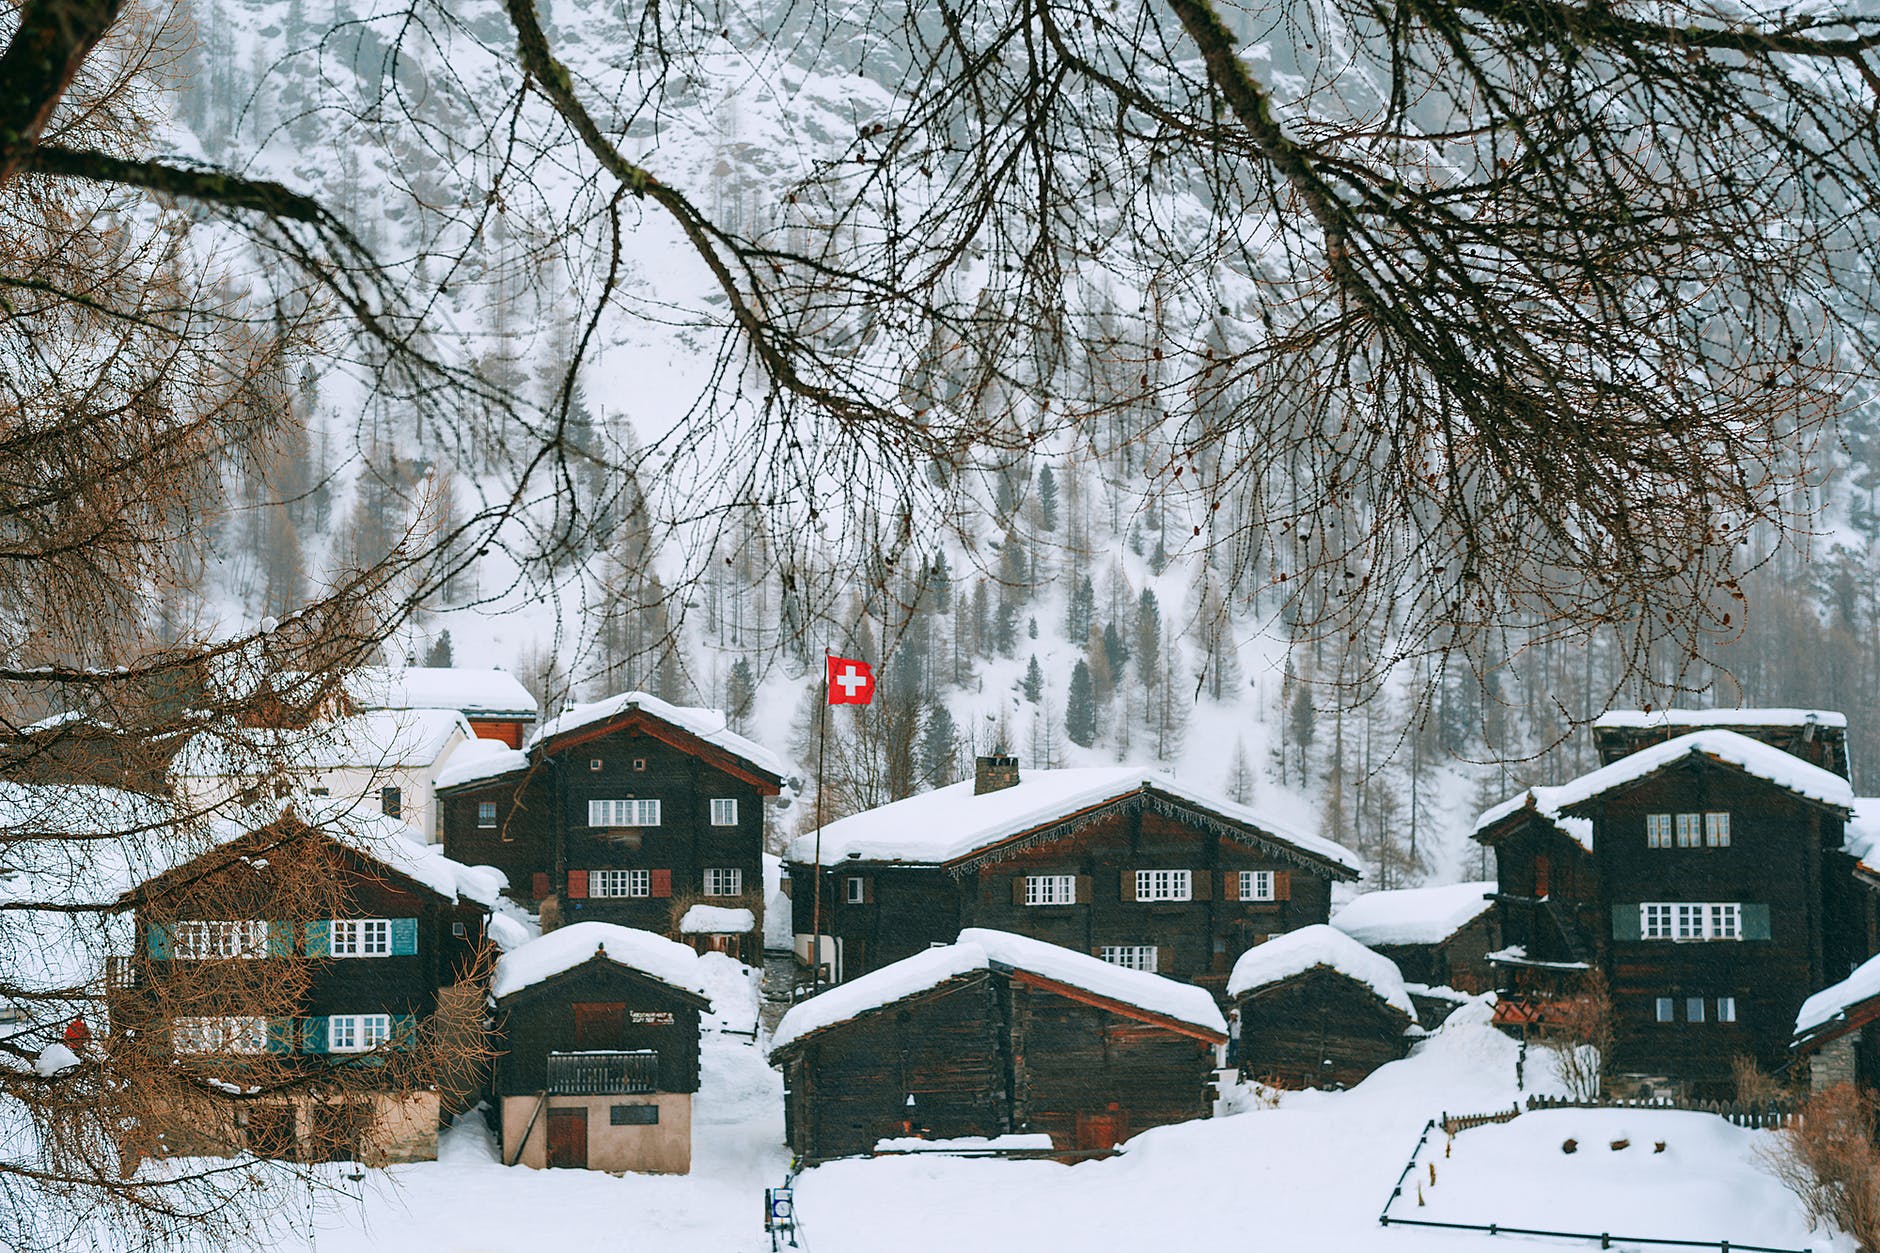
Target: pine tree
{"points": [[740, 693], [1034, 680], [939, 748], [940, 583], [439, 653], [1080, 708], [1148, 633], [1047, 500], [1083, 607], [1115, 651]]}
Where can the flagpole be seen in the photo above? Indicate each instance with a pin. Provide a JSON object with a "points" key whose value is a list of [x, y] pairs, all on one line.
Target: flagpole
{"points": [[822, 745]]}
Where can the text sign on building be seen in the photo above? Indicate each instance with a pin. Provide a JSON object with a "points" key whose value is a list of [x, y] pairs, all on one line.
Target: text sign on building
{"points": [[652, 1018]]}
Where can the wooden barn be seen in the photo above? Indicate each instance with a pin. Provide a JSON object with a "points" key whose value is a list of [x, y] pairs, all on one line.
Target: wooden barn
{"points": [[1123, 863], [626, 810], [1318, 1010], [995, 1035], [1547, 901], [1438, 937], [597, 1032]]}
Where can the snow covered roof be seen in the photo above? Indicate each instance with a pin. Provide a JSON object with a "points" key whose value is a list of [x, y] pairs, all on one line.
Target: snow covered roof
{"points": [[1643, 719], [717, 920], [479, 693], [1286, 956], [707, 724], [1862, 835], [564, 948], [951, 822], [981, 949], [475, 760], [1753, 757], [1545, 802], [1414, 915], [380, 740], [1825, 1007]]}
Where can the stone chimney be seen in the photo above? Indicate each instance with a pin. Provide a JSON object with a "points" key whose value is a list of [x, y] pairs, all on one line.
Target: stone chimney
{"points": [[994, 773]]}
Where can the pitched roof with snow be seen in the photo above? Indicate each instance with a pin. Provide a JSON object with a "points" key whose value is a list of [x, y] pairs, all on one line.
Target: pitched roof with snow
{"points": [[950, 823], [1544, 802], [478, 693], [378, 740], [473, 761], [707, 724], [1752, 757], [563, 949], [1649, 719], [1290, 955], [981, 949], [1861, 839], [1830, 1007], [1414, 915]]}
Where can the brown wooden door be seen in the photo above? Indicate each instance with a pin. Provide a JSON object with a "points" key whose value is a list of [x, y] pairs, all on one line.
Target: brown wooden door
{"points": [[1102, 1130], [599, 1025], [567, 1138]]}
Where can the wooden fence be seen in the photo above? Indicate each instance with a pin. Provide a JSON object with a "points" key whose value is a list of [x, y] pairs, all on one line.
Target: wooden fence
{"points": [[1756, 1117]]}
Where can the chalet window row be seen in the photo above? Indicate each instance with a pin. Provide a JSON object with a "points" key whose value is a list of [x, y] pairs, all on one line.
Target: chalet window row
{"points": [[1665, 1009], [218, 939], [248, 1035], [1708, 830], [1129, 956], [1691, 921], [630, 812], [599, 884], [1143, 886]]}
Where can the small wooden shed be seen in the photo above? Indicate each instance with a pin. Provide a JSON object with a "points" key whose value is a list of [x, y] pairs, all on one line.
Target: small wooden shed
{"points": [[1437, 936], [995, 1035], [1318, 1010], [597, 1032]]}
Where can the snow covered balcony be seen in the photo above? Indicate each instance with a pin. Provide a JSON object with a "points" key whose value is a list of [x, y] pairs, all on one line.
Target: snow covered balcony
{"points": [[603, 1073]]}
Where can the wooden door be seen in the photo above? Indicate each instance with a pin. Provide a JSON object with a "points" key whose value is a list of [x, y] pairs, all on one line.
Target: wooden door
{"points": [[567, 1138], [599, 1025], [1102, 1130]]}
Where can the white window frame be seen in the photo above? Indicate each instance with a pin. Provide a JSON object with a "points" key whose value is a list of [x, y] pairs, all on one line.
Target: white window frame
{"points": [[1689, 922], [359, 937], [1165, 885], [243, 1035], [1657, 830], [1256, 885], [215, 939], [357, 1033], [855, 890], [718, 877], [1654, 921], [632, 812], [1050, 889], [724, 811], [1726, 1009], [620, 883], [1690, 915], [1129, 956], [1724, 922], [1717, 830], [1693, 1009], [486, 815], [1665, 1009], [1690, 829]]}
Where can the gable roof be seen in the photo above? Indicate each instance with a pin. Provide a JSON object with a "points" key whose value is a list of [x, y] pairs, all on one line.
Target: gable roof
{"points": [[568, 948], [1414, 915], [1646, 719], [708, 726], [1840, 1007], [1544, 803], [379, 740], [952, 824], [475, 761], [1132, 993], [1286, 957], [1751, 757], [493, 693]]}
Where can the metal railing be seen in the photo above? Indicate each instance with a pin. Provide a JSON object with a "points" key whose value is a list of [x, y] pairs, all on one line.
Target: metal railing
{"points": [[603, 1074]]}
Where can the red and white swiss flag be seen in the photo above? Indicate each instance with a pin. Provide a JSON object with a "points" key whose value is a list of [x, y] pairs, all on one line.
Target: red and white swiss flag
{"points": [[850, 682]]}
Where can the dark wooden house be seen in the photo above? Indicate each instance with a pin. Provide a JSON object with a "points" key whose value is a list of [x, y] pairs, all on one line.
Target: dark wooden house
{"points": [[597, 1035], [627, 810], [1547, 904], [1835, 1033], [1121, 863], [995, 1035], [311, 956], [1437, 936], [1318, 1010], [1719, 894]]}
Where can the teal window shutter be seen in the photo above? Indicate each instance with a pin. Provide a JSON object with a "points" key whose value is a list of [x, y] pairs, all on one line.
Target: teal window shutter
{"points": [[1756, 922], [283, 1035], [319, 938], [313, 1036], [157, 941], [404, 937], [1625, 921], [280, 939], [404, 1030]]}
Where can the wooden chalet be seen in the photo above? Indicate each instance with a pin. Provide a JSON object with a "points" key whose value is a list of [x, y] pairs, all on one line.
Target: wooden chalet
{"points": [[597, 1032], [1713, 889], [1121, 863], [992, 1036], [242, 985], [627, 810], [1835, 1032], [1437, 936], [1318, 1010]]}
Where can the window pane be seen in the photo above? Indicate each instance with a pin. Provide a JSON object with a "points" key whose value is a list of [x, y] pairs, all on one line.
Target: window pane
{"points": [[1664, 1009], [1726, 1009], [486, 813], [1694, 1008], [1687, 830], [1717, 830], [724, 811]]}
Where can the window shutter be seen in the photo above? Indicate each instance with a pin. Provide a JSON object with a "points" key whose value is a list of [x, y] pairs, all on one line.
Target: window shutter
{"points": [[1129, 885], [282, 1036], [404, 1031], [577, 885], [1282, 885], [157, 941], [1756, 922], [1230, 885], [661, 881], [1200, 885], [538, 886], [1018, 889], [404, 937], [1083, 889], [280, 939], [868, 889], [313, 1037], [320, 938], [1625, 921]]}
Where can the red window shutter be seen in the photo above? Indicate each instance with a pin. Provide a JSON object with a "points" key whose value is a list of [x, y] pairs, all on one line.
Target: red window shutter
{"points": [[1083, 889], [1282, 885], [1230, 885], [661, 882], [1543, 875], [577, 885], [1018, 889], [1129, 885], [538, 886], [1201, 885]]}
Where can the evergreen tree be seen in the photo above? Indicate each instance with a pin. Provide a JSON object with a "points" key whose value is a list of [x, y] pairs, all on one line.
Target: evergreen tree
{"points": [[940, 583], [740, 693], [938, 756], [1034, 680], [1115, 651], [1047, 500], [1083, 608], [1148, 633], [1005, 629], [439, 653], [1080, 708]]}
